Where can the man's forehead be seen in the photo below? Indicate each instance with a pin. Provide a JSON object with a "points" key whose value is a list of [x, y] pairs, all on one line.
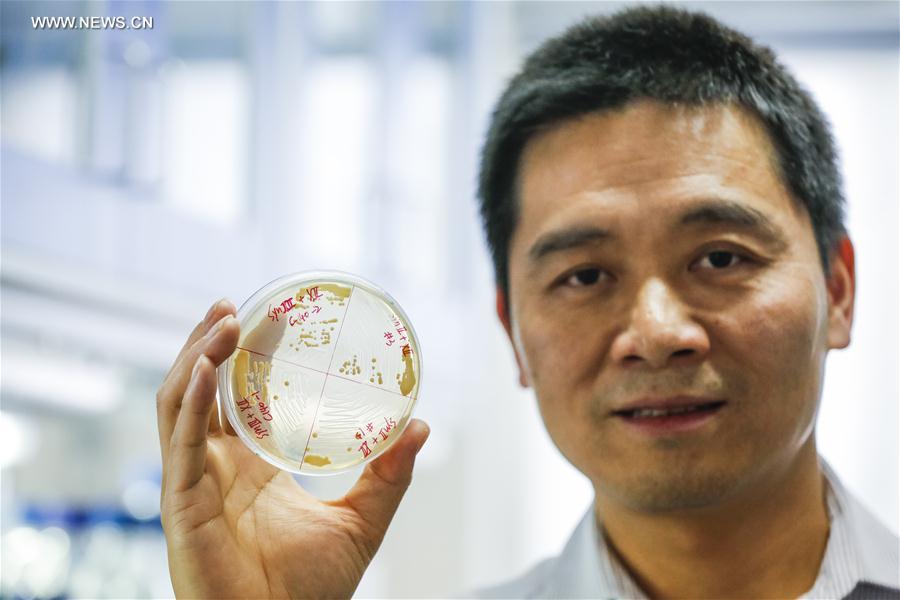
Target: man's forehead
{"points": [[624, 143], [646, 151], [649, 161]]}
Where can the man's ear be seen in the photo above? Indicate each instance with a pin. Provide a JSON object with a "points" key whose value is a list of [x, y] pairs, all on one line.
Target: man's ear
{"points": [[503, 315], [841, 285]]}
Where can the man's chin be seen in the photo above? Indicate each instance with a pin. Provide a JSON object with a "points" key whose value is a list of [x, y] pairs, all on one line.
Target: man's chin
{"points": [[666, 492]]}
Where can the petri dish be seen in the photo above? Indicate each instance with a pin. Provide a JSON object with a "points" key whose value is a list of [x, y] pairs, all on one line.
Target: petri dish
{"points": [[325, 375]]}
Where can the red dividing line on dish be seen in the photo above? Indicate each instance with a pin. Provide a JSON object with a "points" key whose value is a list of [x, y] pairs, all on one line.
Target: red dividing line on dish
{"points": [[326, 373]]}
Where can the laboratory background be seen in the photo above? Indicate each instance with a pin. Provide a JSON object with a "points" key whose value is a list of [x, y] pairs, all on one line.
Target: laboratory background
{"points": [[146, 172]]}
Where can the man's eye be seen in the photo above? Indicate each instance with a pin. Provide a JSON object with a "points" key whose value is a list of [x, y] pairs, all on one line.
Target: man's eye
{"points": [[583, 277], [719, 259]]}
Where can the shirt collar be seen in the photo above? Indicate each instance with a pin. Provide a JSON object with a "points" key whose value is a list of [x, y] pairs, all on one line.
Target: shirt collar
{"points": [[859, 549], [587, 568], [858, 539]]}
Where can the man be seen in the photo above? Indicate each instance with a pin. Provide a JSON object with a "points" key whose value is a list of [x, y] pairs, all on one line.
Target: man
{"points": [[664, 212]]}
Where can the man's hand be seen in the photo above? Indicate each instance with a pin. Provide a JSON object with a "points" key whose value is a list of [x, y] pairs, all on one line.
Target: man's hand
{"points": [[237, 527]]}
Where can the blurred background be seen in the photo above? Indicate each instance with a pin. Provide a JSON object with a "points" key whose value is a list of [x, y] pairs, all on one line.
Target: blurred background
{"points": [[146, 173]]}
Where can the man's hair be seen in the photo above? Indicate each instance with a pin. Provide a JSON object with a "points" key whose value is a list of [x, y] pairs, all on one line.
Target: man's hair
{"points": [[669, 55]]}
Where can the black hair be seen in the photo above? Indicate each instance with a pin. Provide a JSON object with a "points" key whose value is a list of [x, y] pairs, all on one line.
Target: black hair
{"points": [[673, 56]]}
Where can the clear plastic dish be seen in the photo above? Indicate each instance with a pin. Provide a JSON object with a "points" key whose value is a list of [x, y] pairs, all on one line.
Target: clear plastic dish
{"points": [[326, 372]]}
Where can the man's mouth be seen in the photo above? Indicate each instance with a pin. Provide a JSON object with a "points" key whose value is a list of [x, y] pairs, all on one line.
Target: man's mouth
{"points": [[661, 412], [669, 416]]}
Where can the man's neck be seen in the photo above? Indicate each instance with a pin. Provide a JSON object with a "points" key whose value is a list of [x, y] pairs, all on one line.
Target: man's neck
{"points": [[767, 544]]}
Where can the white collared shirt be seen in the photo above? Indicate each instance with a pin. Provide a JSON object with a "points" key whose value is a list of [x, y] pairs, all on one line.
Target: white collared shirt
{"points": [[862, 560]]}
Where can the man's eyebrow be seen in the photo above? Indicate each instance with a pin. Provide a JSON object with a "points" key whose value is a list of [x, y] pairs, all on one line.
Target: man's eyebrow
{"points": [[712, 212], [566, 239], [740, 216]]}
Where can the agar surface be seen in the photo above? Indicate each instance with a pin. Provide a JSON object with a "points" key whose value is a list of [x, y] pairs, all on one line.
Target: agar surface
{"points": [[328, 414]]}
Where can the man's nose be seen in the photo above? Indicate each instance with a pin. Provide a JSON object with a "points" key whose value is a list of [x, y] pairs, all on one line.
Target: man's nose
{"points": [[660, 331]]}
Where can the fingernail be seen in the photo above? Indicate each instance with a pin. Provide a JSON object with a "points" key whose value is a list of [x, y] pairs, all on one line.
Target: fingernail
{"points": [[424, 439], [212, 311], [217, 327]]}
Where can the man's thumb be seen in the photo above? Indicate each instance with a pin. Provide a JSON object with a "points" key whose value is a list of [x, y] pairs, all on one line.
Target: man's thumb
{"points": [[381, 486]]}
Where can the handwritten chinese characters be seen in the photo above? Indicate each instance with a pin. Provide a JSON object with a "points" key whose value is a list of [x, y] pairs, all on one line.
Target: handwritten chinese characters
{"points": [[401, 338], [283, 308], [311, 294], [363, 434], [253, 422], [299, 319]]}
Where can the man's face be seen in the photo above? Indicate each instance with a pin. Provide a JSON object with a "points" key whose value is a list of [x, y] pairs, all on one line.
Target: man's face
{"points": [[658, 257]]}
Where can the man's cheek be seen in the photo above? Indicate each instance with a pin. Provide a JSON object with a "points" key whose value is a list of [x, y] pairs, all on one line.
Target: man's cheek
{"points": [[780, 315], [560, 355], [771, 344]]}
